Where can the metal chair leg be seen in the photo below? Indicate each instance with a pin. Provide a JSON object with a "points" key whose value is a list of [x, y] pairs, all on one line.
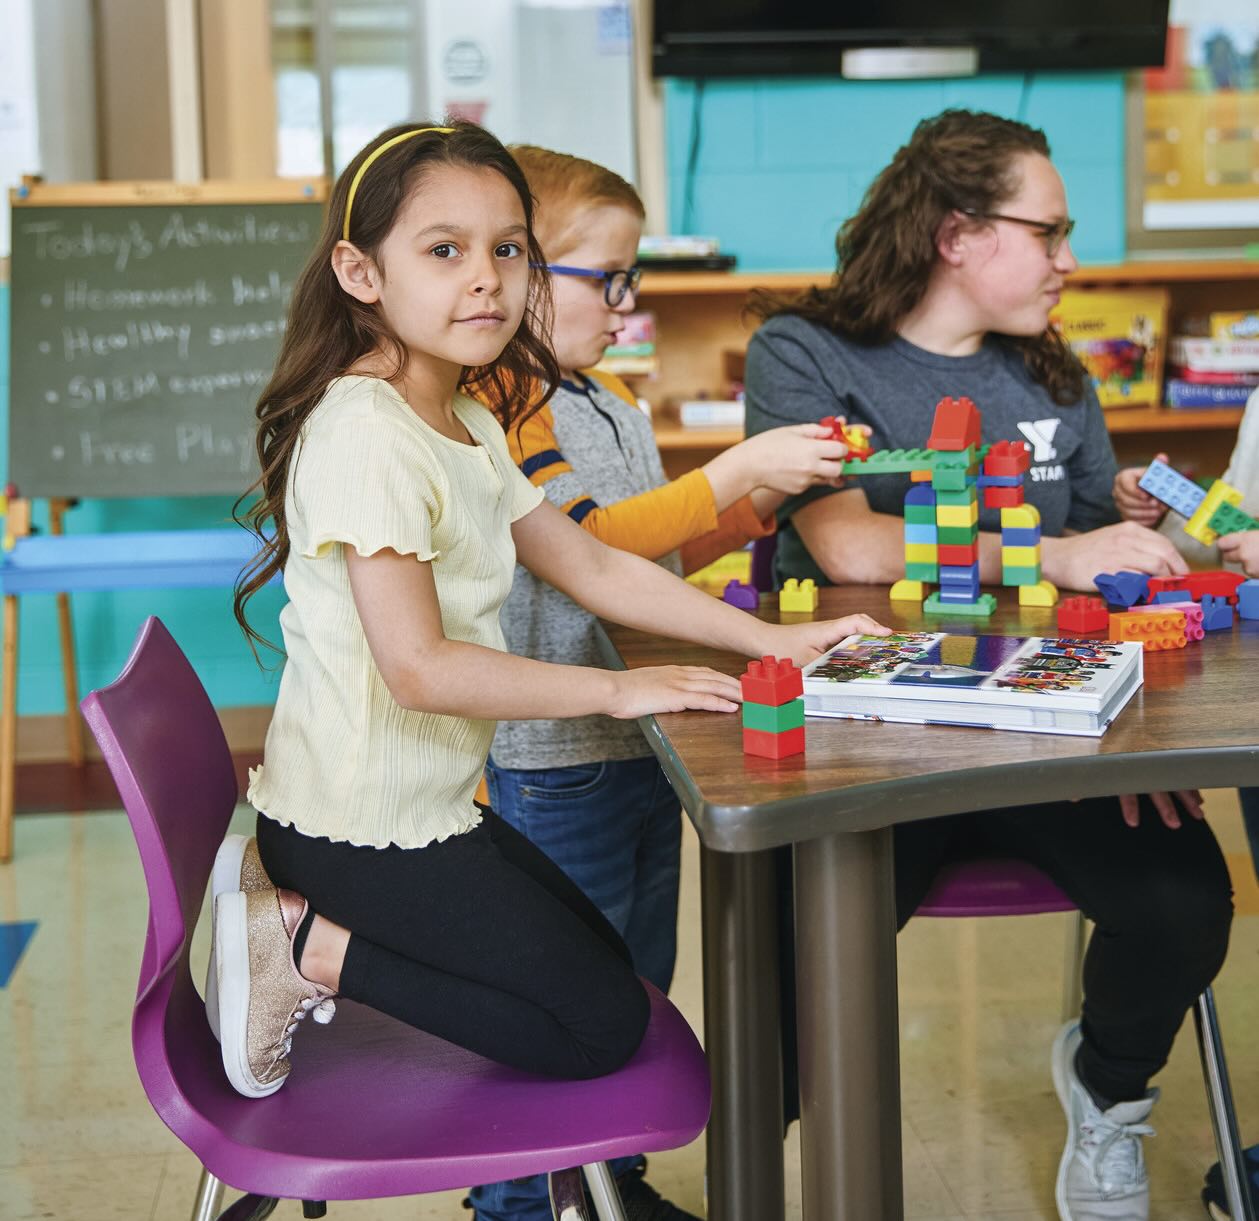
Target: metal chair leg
{"points": [[250, 1208], [603, 1192], [1073, 967], [568, 1201], [209, 1197], [1223, 1116]]}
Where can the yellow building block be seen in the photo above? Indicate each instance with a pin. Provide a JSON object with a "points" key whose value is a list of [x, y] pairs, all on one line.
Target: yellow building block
{"points": [[1043, 593], [906, 590], [798, 597], [921, 553], [1020, 557], [957, 515], [1022, 516], [1220, 493]]}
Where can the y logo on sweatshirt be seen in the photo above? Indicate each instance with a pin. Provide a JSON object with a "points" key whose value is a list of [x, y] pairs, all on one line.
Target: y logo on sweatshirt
{"points": [[1041, 434]]}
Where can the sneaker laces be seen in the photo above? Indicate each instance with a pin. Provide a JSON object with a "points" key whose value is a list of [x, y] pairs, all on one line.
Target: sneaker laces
{"points": [[323, 1009], [1111, 1152]]}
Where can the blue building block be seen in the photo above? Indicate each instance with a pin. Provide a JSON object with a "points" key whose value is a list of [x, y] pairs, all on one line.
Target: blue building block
{"points": [[1020, 536], [1000, 481], [1172, 595], [920, 494], [1248, 599], [1172, 488], [1216, 613], [959, 583], [1122, 588], [920, 532]]}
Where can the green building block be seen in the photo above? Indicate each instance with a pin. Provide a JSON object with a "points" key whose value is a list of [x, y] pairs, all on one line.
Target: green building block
{"points": [[921, 572], [980, 609], [1020, 576], [1229, 519], [963, 497], [920, 515], [892, 462], [773, 719], [961, 536], [952, 479]]}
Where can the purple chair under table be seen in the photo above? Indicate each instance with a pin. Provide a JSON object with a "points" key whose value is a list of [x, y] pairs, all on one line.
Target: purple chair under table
{"points": [[372, 1108], [991, 887]]}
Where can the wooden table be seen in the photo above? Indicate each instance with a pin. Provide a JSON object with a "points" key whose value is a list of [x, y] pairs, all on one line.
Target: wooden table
{"points": [[1194, 723]]}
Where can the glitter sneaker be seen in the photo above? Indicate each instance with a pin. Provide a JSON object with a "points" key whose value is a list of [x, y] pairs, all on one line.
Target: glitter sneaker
{"points": [[261, 995], [237, 866]]}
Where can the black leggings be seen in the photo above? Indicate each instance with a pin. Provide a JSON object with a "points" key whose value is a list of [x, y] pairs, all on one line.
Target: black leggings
{"points": [[1161, 901], [479, 939]]}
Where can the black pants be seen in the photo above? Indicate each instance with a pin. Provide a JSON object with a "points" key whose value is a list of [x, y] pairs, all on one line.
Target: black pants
{"points": [[479, 939], [1161, 901]]}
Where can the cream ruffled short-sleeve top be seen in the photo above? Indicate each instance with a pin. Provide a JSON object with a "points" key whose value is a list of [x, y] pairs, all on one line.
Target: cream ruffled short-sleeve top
{"points": [[343, 760]]}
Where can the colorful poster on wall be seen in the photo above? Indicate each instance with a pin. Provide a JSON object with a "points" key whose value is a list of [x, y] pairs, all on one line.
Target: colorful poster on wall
{"points": [[1201, 121]]}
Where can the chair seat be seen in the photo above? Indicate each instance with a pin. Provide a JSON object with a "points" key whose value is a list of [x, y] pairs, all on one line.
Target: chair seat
{"points": [[414, 1113], [992, 887]]}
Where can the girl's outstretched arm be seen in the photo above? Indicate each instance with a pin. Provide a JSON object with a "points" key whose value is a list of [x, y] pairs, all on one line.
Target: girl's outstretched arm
{"points": [[396, 599], [630, 590]]}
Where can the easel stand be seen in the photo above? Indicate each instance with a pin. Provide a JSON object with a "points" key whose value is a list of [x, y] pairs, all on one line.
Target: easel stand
{"points": [[19, 526]]}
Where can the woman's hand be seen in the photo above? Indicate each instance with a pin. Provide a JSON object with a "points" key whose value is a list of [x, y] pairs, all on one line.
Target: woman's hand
{"points": [[1071, 562], [1241, 548], [805, 642], [1190, 799], [654, 689], [1133, 503]]}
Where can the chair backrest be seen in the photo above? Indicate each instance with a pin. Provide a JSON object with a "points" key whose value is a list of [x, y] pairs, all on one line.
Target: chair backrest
{"points": [[165, 748]]}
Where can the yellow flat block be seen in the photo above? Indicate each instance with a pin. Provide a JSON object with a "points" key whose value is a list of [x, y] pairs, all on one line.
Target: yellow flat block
{"points": [[1024, 516], [957, 515], [1220, 493], [1020, 557], [798, 597], [1043, 593], [906, 590], [921, 553]]}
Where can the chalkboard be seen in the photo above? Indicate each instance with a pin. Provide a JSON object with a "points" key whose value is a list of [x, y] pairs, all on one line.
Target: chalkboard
{"points": [[145, 321]]}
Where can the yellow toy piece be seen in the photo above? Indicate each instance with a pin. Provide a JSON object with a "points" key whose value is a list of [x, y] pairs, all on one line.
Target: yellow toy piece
{"points": [[957, 515], [1220, 493], [906, 590], [1043, 593], [1020, 557], [921, 553], [798, 597], [1023, 517]]}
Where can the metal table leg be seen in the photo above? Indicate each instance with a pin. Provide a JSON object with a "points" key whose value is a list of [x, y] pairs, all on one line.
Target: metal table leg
{"points": [[742, 1036], [848, 1023]]}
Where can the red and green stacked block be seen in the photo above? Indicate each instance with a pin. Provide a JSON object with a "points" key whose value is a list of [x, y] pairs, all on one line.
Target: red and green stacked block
{"points": [[773, 708]]}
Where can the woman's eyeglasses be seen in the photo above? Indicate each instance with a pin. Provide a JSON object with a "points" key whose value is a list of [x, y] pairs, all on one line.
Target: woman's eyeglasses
{"points": [[1055, 232], [616, 284]]}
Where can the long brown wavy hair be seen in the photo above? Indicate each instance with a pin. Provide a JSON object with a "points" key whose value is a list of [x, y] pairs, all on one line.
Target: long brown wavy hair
{"points": [[328, 330], [960, 160]]}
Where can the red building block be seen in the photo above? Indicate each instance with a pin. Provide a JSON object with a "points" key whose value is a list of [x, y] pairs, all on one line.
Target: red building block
{"points": [[771, 681], [773, 745], [1002, 498], [1218, 582], [960, 554], [1007, 458], [956, 425], [1077, 615]]}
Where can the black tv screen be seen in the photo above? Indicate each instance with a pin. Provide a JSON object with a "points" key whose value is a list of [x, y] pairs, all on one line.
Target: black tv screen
{"points": [[773, 37]]}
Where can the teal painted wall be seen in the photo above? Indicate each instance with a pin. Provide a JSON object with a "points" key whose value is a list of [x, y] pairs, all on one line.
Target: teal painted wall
{"points": [[105, 624], [783, 162]]}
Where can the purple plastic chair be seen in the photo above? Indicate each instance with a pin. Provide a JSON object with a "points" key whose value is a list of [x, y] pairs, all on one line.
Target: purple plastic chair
{"points": [[989, 887], [372, 1108]]}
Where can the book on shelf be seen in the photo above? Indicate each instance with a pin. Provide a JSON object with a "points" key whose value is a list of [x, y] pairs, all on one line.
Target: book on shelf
{"points": [[1188, 393], [1034, 684], [1197, 355], [1120, 337], [634, 350], [711, 413], [681, 252]]}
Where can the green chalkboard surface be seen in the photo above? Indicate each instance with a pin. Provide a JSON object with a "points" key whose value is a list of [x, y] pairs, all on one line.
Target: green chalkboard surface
{"points": [[145, 321]]}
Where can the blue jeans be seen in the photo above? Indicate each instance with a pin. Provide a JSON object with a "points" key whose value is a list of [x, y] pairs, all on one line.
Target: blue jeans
{"points": [[1249, 799], [615, 829]]}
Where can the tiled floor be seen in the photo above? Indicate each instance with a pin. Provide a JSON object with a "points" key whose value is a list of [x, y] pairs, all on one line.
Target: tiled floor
{"points": [[980, 1004]]}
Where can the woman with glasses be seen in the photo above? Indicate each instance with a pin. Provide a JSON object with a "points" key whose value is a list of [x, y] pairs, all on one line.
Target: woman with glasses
{"points": [[947, 275]]}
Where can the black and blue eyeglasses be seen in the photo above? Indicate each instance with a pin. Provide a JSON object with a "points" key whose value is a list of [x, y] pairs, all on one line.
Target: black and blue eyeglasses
{"points": [[616, 284]]}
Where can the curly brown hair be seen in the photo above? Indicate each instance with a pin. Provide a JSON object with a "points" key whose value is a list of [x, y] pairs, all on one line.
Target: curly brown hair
{"points": [[328, 330], [960, 160]]}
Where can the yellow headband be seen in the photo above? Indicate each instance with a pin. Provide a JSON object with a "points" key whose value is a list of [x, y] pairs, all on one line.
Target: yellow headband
{"points": [[367, 162]]}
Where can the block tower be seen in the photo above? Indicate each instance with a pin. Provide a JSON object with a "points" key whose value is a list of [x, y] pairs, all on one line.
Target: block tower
{"points": [[773, 708]]}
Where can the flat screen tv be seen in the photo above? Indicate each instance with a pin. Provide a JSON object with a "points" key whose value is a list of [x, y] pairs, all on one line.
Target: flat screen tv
{"points": [[777, 37]]}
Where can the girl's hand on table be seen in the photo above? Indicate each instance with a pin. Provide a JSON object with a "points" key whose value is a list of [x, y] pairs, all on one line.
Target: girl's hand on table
{"points": [[1190, 800], [805, 642]]}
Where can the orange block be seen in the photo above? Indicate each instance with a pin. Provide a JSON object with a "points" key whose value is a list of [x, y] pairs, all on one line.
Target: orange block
{"points": [[1154, 631]]}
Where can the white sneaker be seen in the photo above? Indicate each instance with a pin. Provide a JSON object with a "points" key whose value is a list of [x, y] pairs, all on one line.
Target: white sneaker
{"points": [[1102, 1173], [237, 866]]}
